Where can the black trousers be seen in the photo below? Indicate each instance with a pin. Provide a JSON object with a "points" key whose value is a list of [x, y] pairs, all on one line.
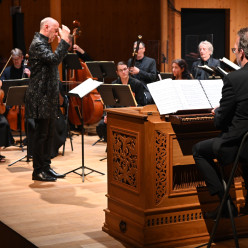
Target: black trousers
{"points": [[204, 158], [42, 142]]}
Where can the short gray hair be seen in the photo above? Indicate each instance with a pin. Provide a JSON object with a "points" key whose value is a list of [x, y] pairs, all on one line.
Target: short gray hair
{"points": [[243, 40], [16, 52], [208, 44]]}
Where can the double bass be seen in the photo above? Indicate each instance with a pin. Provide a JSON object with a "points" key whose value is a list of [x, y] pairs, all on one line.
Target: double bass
{"points": [[92, 106]]}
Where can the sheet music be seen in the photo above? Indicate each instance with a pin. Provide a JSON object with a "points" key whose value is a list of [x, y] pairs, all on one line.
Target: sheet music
{"points": [[230, 63], [85, 87], [173, 95], [165, 96], [191, 94], [213, 89]]}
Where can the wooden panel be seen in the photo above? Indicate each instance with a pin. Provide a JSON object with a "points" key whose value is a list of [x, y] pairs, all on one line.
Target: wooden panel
{"points": [[110, 27]]}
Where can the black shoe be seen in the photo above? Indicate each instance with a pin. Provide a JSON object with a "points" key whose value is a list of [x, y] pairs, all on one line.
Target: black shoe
{"points": [[43, 176], [53, 173]]}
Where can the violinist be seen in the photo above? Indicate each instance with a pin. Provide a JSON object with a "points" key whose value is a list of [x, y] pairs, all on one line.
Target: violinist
{"points": [[144, 69], [42, 96], [18, 70]]}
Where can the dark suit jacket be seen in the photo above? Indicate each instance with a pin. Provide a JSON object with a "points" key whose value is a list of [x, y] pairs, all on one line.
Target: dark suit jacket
{"points": [[198, 73], [232, 116]]}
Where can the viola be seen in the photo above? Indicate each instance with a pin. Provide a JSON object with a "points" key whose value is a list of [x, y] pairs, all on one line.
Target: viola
{"points": [[92, 106]]}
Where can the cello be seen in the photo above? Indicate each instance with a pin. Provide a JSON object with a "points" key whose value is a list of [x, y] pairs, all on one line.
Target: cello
{"points": [[92, 106]]}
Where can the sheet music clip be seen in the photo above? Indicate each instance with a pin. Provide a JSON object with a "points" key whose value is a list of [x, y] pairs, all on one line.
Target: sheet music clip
{"points": [[71, 61], [117, 95], [102, 69]]}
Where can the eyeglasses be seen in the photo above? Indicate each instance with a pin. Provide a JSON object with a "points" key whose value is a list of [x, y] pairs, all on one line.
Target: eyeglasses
{"points": [[234, 50]]}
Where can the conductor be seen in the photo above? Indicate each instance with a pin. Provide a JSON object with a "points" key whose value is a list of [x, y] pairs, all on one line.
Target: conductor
{"points": [[42, 96]]}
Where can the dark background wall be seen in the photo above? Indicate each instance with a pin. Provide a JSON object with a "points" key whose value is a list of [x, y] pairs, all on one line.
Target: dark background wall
{"points": [[109, 27]]}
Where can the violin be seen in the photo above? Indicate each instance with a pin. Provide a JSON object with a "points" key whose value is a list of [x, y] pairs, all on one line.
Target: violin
{"points": [[2, 105], [135, 51]]}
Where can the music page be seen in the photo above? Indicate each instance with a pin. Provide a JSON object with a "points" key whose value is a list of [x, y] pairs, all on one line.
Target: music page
{"points": [[213, 89], [165, 96], [191, 94], [173, 95], [85, 87]]}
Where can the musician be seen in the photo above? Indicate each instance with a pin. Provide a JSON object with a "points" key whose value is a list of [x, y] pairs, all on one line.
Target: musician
{"points": [[206, 51], [6, 138], [144, 69], [81, 53], [180, 70], [18, 69], [231, 117], [136, 87], [42, 96]]}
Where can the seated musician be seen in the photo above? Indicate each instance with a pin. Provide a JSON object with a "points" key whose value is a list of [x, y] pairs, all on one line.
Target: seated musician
{"points": [[180, 70], [231, 117], [206, 51], [18, 70], [136, 87], [144, 70], [6, 138]]}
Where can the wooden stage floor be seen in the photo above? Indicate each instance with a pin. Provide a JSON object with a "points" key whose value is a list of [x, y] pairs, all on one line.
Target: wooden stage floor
{"points": [[66, 213]]}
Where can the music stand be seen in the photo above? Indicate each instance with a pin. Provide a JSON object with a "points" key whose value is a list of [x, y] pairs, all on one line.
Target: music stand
{"points": [[12, 82], [102, 69], [71, 61], [5, 87], [16, 96], [117, 95], [80, 91]]}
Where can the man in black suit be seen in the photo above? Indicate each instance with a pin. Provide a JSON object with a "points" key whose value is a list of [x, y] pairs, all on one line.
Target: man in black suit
{"points": [[231, 117], [144, 70], [206, 51]]}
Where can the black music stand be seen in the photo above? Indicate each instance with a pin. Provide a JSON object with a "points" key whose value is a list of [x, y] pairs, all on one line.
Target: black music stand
{"points": [[5, 87], [117, 95], [12, 82], [16, 96], [80, 91], [71, 61], [102, 69]]}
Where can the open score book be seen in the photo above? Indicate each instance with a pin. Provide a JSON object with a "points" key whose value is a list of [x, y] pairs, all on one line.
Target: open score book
{"points": [[173, 95]]}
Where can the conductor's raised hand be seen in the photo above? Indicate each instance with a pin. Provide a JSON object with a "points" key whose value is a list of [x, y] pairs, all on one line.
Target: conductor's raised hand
{"points": [[64, 33]]}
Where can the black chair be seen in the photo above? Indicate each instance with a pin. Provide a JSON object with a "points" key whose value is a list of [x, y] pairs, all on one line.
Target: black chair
{"points": [[227, 199]]}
